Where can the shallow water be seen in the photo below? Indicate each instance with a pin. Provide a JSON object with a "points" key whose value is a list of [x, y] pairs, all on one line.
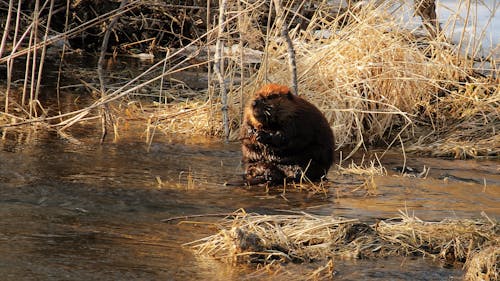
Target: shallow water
{"points": [[84, 211], [72, 209]]}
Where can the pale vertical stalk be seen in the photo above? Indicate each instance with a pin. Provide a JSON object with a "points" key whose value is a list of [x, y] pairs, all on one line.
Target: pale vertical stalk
{"points": [[2, 46], [58, 87], [476, 42], [167, 54], [218, 67], [7, 26], [27, 67], [266, 53], [44, 51], [151, 134], [104, 111], [464, 30], [7, 90], [209, 80], [34, 34], [281, 19], [14, 43], [242, 69], [456, 17], [471, 36]]}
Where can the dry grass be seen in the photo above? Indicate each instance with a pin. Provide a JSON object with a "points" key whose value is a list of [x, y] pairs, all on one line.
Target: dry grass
{"points": [[371, 169], [267, 239], [484, 264], [375, 82], [378, 81]]}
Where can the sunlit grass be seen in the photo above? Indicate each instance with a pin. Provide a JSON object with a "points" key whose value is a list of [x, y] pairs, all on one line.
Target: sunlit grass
{"points": [[298, 238]]}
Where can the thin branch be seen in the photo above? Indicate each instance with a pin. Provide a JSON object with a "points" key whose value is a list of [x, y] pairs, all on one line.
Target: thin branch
{"points": [[281, 19], [218, 66], [70, 33], [61, 60], [226, 215], [122, 91], [105, 117], [7, 26]]}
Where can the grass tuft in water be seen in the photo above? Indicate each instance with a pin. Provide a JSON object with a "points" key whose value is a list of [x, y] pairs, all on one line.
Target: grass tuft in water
{"points": [[298, 238]]}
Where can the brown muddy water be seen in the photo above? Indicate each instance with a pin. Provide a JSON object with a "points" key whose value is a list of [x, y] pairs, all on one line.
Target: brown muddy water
{"points": [[84, 211], [72, 209]]}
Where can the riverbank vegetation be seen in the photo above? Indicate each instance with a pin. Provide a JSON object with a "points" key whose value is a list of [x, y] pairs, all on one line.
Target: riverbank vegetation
{"points": [[379, 80]]}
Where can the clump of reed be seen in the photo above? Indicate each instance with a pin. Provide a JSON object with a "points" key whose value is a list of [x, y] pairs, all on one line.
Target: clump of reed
{"points": [[484, 263], [270, 239], [371, 168], [377, 80]]}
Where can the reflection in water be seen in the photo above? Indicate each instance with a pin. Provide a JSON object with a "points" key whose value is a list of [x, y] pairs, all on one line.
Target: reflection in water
{"points": [[90, 212]]}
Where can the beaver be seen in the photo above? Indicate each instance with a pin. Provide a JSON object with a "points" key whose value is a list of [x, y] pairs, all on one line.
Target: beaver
{"points": [[284, 137]]}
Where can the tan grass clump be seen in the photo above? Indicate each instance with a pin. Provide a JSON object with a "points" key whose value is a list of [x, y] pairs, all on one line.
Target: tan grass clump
{"points": [[448, 240], [365, 77], [377, 82], [184, 118], [484, 264], [262, 239], [371, 169]]}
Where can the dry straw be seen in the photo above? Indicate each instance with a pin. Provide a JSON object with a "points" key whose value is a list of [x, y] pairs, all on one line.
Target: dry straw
{"points": [[377, 80], [298, 238]]}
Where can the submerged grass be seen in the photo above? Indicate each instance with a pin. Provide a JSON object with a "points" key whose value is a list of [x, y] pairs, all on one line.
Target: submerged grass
{"points": [[270, 239]]}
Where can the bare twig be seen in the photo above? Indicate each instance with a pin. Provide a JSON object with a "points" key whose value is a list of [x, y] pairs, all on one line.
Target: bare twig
{"points": [[218, 67], [58, 87], [281, 19], [6, 28], [226, 215], [44, 50], [105, 115]]}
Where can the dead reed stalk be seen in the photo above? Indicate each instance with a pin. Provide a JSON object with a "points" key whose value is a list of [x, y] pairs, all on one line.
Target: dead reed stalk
{"points": [[219, 66], [106, 118]]}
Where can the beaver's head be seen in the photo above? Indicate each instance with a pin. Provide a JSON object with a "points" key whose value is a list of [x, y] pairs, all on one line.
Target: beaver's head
{"points": [[270, 106]]}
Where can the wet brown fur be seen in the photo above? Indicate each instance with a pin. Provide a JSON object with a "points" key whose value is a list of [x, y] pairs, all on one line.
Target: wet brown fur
{"points": [[284, 136]]}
